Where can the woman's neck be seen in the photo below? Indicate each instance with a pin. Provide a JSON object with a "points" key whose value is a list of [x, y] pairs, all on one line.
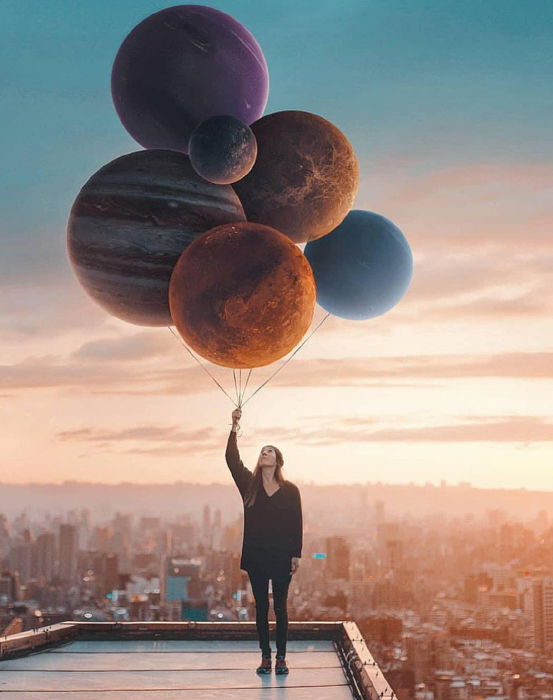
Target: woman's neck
{"points": [[268, 476]]}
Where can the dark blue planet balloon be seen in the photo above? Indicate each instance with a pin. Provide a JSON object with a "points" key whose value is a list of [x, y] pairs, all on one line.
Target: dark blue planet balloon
{"points": [[362, 268], [222, 149]]}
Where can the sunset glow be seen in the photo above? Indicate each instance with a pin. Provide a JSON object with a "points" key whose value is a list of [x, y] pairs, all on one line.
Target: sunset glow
{"points": [[455, 383]]}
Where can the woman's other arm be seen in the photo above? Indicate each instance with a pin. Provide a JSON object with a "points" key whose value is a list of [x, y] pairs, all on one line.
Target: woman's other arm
{"points": [[298, 532], [241, 474]]}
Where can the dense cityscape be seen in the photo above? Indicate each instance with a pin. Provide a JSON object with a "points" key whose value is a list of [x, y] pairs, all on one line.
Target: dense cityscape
{"points": [[451, 605]]}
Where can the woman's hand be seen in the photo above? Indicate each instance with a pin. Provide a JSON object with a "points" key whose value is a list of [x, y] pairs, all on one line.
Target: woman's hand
{"points": [[236, 415], [295, 564]]}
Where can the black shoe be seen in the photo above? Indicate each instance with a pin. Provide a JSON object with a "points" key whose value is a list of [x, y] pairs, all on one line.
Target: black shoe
{"points": [[265, 666], [280, 665]]}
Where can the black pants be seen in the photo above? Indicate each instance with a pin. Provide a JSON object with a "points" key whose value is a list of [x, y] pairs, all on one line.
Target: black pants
{"points": [[260, 587]]}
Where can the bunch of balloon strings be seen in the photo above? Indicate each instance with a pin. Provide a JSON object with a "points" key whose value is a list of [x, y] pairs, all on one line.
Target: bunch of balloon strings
{"points": [[240, 387]]}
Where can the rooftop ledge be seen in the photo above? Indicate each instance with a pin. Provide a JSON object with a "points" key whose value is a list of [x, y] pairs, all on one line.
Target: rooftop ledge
{"points": [[83, 659]]}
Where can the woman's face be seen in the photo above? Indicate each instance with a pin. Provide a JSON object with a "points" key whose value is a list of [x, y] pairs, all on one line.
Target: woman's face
{"points": [[267, 456]]}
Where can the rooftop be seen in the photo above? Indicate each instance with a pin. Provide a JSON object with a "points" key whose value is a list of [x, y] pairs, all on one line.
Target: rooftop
{"points": [[200, 660]]}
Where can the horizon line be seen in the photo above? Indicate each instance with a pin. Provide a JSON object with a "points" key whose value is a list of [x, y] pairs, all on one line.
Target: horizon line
{"points": [[427, 484]]}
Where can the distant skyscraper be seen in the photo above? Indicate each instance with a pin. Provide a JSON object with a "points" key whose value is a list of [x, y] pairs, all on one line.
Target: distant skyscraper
{"points": [[101, 538], [181, 589], [4, 536], [390, 545], [68, 553], [45, 556], [84, 529], [20, 557], [217, 530], [8, 587], [337, 557], [542, 612], [106, 569], [379, 512], [121, 539], [207, 534]]}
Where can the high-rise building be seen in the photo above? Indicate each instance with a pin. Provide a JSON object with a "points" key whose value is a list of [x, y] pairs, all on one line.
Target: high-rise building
{"points": [[181, 589], [541, 612], [379, 512], [390, 545], [106, 569], [67, 553], [8, 587], [217, 530], [101, 538], [207, 534], [121, 539], [45, 556], [4, 536], [337, 557], [20, 557]]}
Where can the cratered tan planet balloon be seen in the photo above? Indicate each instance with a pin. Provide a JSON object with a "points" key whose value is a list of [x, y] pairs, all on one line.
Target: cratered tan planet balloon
{"points": [[242, 295], [305, 178]]}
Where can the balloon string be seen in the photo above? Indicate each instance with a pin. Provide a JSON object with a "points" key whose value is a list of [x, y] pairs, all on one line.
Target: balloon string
{"points": [[201, 365], [286, 361], [235, 386], [245, 386]]}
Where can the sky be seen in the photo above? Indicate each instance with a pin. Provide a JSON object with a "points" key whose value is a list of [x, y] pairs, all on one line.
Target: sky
{"points": [[448, 106]]}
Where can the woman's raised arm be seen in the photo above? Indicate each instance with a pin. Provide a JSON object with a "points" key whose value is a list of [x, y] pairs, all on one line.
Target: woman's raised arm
{"points": [[241, 474]]}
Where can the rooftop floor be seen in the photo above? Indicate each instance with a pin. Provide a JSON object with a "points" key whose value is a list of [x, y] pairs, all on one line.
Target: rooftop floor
{"points": [[172, 669]]}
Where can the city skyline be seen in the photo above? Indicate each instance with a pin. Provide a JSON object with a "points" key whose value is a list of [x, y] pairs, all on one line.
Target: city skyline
{"points": [[446, 604], [448, 108]]}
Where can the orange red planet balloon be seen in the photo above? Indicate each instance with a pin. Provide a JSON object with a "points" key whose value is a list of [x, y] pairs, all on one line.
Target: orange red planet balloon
{"points": [[242, 295]]}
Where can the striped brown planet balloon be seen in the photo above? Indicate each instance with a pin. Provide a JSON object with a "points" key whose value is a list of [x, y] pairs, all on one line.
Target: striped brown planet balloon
{"points": [[130, 223]]}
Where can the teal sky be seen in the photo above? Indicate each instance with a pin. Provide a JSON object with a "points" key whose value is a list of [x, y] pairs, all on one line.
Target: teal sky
{"points": [[440, 80], [448, 105]]}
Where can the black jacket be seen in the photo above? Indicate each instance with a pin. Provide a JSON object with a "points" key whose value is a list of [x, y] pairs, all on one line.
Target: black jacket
{"points": [[273, 526]]}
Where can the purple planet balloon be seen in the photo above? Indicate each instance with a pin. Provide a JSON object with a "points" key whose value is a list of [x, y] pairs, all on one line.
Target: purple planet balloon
{"points": [[182, 65]]}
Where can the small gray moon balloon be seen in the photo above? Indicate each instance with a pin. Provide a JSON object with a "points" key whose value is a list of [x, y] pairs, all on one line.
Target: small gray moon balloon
{"points": [[222, 149], [130, 223]]}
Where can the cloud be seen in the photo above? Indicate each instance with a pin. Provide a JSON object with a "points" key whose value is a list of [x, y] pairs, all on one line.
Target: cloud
{"points": [[167, 441], [148, 433], [172, 451], [503, 205], [51, 373], [31, 307], [357, 371], [525, 429], [440, 275], [137, 346], [529, 304], [171, 441], [95, 377], [35, 373]]}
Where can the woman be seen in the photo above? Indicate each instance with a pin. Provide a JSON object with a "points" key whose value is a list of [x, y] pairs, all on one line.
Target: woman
{"points": [[273, 537]]}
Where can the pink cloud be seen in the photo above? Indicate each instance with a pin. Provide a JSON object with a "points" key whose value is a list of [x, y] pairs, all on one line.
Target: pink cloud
{"points": [[526, 429], [123, 377]]}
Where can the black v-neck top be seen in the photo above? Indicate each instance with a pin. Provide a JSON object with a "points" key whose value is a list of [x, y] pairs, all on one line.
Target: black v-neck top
{"points": [[273, 526]]}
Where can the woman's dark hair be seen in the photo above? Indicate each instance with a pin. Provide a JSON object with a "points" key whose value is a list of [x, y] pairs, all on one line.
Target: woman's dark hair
{"points": [[255, 483]]}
